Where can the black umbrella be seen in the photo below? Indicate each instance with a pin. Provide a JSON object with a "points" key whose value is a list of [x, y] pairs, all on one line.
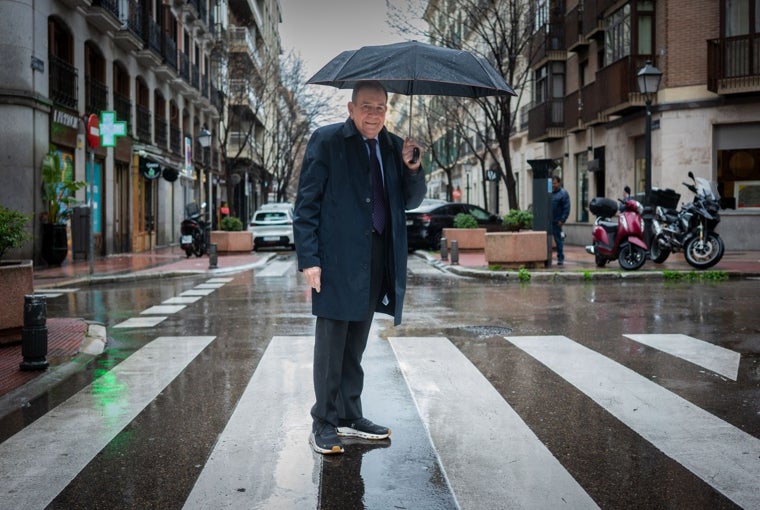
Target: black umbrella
{"points": [[415, 68]]}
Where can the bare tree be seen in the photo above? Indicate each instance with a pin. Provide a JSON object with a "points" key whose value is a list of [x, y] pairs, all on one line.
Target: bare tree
{"points": [[500, 31], [299, 108]]}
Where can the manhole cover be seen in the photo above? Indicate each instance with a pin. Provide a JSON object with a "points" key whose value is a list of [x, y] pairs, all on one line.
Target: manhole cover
{"points": [[487, 330]]}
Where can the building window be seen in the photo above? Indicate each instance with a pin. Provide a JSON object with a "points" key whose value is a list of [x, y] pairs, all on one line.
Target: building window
{"points": [[645, 27], [541, 15], [617, 35]]}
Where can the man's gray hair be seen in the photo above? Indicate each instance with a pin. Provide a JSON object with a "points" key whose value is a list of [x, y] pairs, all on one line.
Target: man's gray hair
{"points": [[368, 85]]}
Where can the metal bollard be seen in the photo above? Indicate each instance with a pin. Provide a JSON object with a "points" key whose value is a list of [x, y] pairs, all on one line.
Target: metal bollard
{"points": [[34, 334], [454, 252], [212, 256], [444, 253]]}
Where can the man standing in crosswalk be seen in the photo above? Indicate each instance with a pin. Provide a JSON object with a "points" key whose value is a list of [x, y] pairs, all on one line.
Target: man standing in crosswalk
{"points": [[357, 180]]}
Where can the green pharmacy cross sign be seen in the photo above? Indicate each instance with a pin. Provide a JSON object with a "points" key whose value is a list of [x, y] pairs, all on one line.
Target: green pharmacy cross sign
{"points": [[110, 128]]}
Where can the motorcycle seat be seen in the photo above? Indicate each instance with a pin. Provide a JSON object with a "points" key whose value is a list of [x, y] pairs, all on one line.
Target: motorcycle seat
{"points": [[609, 225]]}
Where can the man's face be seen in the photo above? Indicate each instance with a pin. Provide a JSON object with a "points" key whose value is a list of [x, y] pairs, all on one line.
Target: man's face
{"points": [[368, 112], [555, 184]]}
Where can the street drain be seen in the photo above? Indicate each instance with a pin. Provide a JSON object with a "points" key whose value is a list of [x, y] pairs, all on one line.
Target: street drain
{"points": [[485, 331]]}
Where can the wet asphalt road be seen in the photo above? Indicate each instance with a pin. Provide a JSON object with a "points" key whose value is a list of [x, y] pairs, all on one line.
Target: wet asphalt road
{"points": [[155, 461]]}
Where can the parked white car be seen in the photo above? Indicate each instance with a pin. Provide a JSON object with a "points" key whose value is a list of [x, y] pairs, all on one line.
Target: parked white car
{"points": [[272, 225]]}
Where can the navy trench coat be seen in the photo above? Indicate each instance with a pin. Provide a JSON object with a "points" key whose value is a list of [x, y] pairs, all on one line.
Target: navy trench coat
{"points": [[333, 220]]}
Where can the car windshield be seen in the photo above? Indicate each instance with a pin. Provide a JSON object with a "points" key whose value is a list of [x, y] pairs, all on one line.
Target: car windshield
{"points": [[269, 216]]}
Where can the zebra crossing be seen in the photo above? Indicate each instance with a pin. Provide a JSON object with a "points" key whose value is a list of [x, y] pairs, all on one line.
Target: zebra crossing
{"points": [[442, 408]]}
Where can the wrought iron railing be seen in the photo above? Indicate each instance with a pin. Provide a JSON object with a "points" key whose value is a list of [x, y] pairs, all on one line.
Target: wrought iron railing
{"points": [[144, 132], [161, 136], [95, 96], [123, 108], [732, 58], [63, 82]]}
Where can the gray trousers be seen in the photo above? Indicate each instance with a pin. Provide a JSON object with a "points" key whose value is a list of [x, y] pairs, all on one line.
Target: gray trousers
{"points": [[338, 349]]}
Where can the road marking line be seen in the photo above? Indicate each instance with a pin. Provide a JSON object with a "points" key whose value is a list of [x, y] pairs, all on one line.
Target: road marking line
{"points": [[209, 286], [274, 269], [163, 309], [722, 455], [219, 280], [182, 300], [141, 322], [470, 424], [197, 292], [69, 436], [710, 356], [264, 449]]}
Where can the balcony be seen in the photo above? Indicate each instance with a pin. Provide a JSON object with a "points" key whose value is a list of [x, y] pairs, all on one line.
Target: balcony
{"points": [[123, 108], [144, 131], [63, 82], [546, 121], [129, 37], [620, 93], [592, 26], [150, 56], [591, 112], [104, 15], [95, 95], [182, 82], [175, 140], [161, 127], [733, 65], [573, 108], [574, 38], [549, 45], [241, 40]]}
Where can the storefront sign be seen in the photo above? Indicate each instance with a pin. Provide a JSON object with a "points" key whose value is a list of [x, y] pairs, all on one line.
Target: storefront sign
{"points": [[150, 169]]}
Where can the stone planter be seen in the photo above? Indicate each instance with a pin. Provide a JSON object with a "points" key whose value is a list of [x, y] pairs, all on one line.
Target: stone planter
{"points": [[522, 248], [466, 238], [229, 241], [16, 281]]}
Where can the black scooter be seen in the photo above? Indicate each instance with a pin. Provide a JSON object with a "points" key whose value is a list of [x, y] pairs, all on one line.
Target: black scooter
{"points": [[194, 230]]}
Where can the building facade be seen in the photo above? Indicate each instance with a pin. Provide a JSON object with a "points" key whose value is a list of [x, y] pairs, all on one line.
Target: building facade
{"points": [[160, 67], [586, 113]]}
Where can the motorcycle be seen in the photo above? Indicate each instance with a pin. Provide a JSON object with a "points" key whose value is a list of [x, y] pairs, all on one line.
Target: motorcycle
{"points": [[193, 230], [692, 229], [622, 239]]}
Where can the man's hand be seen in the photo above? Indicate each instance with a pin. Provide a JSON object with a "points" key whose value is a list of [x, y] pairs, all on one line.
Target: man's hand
{"points": [[407, 154], [313, 277]]}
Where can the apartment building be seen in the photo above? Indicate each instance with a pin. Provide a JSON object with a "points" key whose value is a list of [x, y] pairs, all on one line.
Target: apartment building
{"points": [[160, 67], [588, 114]]}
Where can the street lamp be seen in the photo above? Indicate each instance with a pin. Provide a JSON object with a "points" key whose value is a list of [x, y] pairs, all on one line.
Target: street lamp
{"points": [[204, 138], [649, 81]]}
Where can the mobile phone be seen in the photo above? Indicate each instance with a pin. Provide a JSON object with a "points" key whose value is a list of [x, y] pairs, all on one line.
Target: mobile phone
{"points": [[415, 155]]}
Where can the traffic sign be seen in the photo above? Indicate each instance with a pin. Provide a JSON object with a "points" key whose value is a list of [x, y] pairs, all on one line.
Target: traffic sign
{"points": [[93, 131]]}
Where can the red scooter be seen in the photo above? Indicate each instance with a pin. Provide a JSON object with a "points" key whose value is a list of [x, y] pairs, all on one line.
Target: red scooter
{"points": [[622, 239]]}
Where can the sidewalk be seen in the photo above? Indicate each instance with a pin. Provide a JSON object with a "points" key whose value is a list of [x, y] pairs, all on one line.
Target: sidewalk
{"points": [[66, 336], [70, 339]]}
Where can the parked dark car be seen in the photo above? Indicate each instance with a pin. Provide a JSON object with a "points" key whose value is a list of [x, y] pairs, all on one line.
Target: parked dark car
{"points": [[425, 224]]}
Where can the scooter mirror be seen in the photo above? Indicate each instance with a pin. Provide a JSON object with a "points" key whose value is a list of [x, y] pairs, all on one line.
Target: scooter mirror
{"points": [[691, 175]]}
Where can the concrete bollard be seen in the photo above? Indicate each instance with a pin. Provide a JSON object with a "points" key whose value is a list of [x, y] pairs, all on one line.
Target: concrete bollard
{"points": [[34, 334], [444, 252], [212, 256], [454, 252]]}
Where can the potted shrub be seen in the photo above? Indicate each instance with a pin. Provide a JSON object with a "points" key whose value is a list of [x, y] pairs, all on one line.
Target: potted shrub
{"points": [[58, 190], [16, 276], [232, 237], [466, 232], [516, 220]]}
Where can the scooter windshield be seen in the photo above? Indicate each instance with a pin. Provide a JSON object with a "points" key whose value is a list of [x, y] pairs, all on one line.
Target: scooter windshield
{"points": [[707, 189]]}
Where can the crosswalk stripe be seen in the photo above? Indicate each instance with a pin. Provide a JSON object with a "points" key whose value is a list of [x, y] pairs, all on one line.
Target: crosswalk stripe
{"points": [[712, 357], [470, 424], [274, 269], [141, 322], [68, 437], [262, 459], [163, 309], [722, 455]]}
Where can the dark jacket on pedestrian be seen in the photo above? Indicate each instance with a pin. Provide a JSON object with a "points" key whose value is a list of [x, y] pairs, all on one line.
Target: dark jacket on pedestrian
{"points": [[560, 205], [332, 223]]}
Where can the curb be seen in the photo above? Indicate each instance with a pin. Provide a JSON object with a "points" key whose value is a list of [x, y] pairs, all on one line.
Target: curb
{"points": [[94, 344], [565, 275]]}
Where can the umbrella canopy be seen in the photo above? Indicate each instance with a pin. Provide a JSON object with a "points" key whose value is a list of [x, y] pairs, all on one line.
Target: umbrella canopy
{"points": [[415, 68]]}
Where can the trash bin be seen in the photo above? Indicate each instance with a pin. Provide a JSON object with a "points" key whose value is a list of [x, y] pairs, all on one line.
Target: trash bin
{"points": [[80, 232]]}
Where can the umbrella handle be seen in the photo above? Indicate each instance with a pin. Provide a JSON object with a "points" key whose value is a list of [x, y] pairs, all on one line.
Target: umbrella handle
{"points": [[415, 155]]}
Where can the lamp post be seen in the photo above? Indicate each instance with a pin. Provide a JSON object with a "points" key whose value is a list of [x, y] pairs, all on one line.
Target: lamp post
{"points": [[204, 138], [649, 81]]}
